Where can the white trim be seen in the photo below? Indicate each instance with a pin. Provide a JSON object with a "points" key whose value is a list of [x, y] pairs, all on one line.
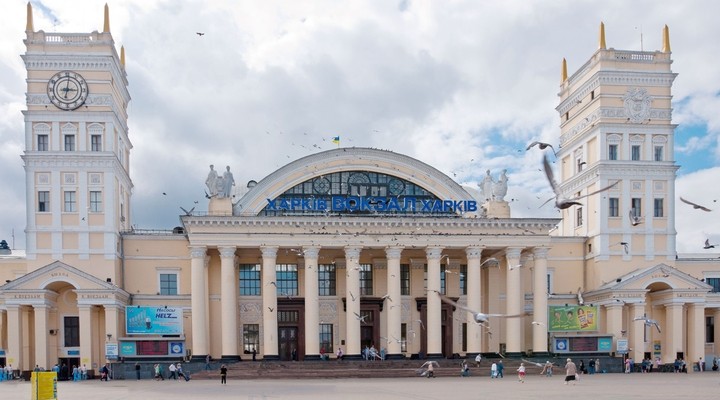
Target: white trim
{"points": [[168, 271]]}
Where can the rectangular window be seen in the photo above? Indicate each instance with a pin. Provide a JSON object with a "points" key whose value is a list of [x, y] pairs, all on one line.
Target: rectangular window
{"points": [[168, 284], [71, 327], [95, 201], [69, 142], [658, 207], [578, 217], [443, 274], [326, 338], [42, 143], [405, 279], [403, 337], [636, 207], [250, 280], [614, 207], [366, 280], [70, 202], [715, 283], [43, 201], [709, 329], [326, 281], [463, 279], [658, 153], [635, 152], [464, 336], [613, 152], [251, 338], [95, 143], [286, 280]]}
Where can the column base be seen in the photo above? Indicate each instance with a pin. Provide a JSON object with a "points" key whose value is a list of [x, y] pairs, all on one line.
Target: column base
{"points": [[543, 354], [353, 357], [232, 358], [514, 354], [399, 356], [198, 357], [434, 356], [271, 357]]}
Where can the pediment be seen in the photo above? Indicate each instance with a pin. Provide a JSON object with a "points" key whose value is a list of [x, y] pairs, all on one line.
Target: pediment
{"points": [[662, 274], [58, 272]]}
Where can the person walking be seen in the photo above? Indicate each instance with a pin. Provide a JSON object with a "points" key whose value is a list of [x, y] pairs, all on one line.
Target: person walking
{"points": [[137, 370], [181, 373], [173, 371], [570, 371], [493, 370], [478, 358], [500, 368], [521, 373], [223, 375], [207, 362]]}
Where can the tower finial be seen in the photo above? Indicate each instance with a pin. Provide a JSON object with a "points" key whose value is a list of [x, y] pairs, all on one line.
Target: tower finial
{"points": [[666, 40], [563, 73], [106, 24], [29, 26], [122, 56], [602, 36]]}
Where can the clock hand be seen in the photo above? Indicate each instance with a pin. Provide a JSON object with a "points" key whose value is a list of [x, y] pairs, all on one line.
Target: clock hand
{"points": [[67, 87]]}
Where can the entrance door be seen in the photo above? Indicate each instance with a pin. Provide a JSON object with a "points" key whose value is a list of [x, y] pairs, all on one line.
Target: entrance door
{"points": [[287, 342], [366, 336], [66, 373]]}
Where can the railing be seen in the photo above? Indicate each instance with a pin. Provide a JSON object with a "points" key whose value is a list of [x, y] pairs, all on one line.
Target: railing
{"points": [[69, 37]]}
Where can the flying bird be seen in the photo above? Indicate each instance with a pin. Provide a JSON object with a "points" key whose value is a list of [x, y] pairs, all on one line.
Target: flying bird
{"points": [[708, 245], [635, 220], [352, 296], [387, 296], [360, 318], [542, 146], [537, 364], [188, 212], [695, 206], [479, 317], [200, 33], [624, 245], [648, 321], [581, 301], [560, 202], [538, 323], [421, 323]]}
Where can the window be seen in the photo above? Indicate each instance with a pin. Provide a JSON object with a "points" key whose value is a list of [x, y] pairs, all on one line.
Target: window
{"points": [[635, 152], [403, 337], [715, 283], [326, 281], [71, 327], [709, 329], [70, 202], [43, 201], [613, 152], [95, 143], [95, 201], [42, 142], [464, 336], [658, 207], [443, 274], [578, 217], [366, 280], [658, 153], [549, 281], [69, 142], [168, 284], [405, 279], [326, 337], [463, 279], [614, 207], [251, 337], [250, 280], [286, 279], [636, 205]]}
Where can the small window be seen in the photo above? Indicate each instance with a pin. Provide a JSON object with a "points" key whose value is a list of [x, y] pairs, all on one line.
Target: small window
{"points": [[42, 143], [250, 280], [405, 279], [578, 217], [95, 201], [463, 279], [613, 152], [43, 201], [659, 153], [614, 207], [326, 280], [286, 280], [71, 328], [635, 152], [636, 205], [366, 280], [168, 284], [326, 338], [715, 283], [464, 336], [69, 142], [658, 207], [70, 202], [251, 338], [95, 143], [592, 95]]}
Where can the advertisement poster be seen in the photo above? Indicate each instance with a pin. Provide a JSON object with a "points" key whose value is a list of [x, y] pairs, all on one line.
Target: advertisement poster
{"points": [[153, 320], [573, 318], [44, 385]]}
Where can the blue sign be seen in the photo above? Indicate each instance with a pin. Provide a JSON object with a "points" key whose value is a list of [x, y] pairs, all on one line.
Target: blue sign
{"points": [[153, 320], [127, 349], [561, 345], [371, 204], [177, 348], [605, 344]]}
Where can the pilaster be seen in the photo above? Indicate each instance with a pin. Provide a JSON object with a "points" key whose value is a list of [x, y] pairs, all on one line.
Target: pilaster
{"points": [[433, 324], [198, 301], [312, 304], [474, 300], [514, 300], [269, 298], [228, 303]]}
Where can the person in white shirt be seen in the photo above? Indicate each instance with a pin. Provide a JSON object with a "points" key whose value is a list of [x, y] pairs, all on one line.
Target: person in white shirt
{"points": [[478, 358], [493, 370]]}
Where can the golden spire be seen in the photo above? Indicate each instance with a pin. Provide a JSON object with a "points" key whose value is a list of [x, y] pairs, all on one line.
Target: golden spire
{"points": [[122, 56], [106, 25], [602, 36], [29, 26], [563, 74], [666, 40]]}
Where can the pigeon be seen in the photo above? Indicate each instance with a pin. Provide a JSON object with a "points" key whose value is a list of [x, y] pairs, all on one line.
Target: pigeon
{"points": [[635, 220], [695, 206], [538, 323], [708, 245], [560, 202], [581, 301], [541, 145], [188, 212], [479, 317], [648, 322], [533, 363], [352, 296], [200, 33]]}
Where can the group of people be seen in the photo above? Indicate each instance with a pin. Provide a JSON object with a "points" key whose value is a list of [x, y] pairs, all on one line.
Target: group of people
{"points": [[6, 372], [371, 353]]}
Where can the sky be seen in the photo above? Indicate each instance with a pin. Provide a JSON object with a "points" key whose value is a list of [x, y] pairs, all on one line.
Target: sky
{"points": [[463, 86]]}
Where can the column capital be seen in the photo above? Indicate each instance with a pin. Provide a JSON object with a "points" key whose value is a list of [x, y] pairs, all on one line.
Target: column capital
{"points": [[474, 252], [269, 251], [540, 252], [198, 251], [41, 306], [352, 252], [227, 251], [393, 253], [311, 252], [434, 252], [513, 252]]}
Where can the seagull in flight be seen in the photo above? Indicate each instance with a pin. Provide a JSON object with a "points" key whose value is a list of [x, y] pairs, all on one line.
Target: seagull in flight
{"points": [[635, 220], [360, 318], [624, 245], [479, 317], [352, 296], [695, 206], [581, 301], [648, 321], [708, 245], [188, 212], [387, 296], [537, 364], [200, 33], [541, 145], [560, 202]]}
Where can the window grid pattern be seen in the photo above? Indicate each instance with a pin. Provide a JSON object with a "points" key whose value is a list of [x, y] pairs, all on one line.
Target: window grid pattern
{"points": [[69, 142], [251, 337], [326, 338], [403, 337], [366, 280], [613, 152], [635, 152], [43, 201], [715, 283], [405, 279], [463, 279], [636, 206], [658, 208], [95, 143], [286, 279], [250, 282], [42, 143], [442, 278], [658, 153], [70, 201], [614, 207], [168, 284], [95, 201], [326, 281], [579, 217]]}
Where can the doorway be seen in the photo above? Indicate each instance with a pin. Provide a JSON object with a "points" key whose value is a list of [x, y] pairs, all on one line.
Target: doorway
{"points": [[66, 371], [288, 343]]}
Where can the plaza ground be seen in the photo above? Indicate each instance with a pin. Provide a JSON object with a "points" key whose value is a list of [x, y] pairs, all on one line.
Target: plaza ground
{"points": [[602, 386]]}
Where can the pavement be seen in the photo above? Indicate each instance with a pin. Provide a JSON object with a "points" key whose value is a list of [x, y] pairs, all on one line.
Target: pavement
{"points": [[600, 386]]}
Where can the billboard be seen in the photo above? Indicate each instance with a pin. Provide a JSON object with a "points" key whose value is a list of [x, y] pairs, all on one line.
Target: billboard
{"points": [[572, 318], [141, 320]]}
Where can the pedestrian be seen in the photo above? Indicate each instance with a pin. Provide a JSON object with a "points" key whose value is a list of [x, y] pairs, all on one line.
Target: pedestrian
{"points": [[547, 369], [701, 365], [173, 371], [156, 370], [464, 368], [591, 367], [597, 366], [83, 372], [223, 375], [75, 373], [570, 371], [137, 370], [254, 353], [207, 362], [521, 373], [340, 353], [500, 368], [478, 358], [181, 373], [104, 373], [582, 365], [493, 370], [627, 365]]}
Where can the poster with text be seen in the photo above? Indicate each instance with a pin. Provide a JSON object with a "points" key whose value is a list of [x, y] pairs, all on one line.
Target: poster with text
{"points": [[153, 320], [573, 318]]}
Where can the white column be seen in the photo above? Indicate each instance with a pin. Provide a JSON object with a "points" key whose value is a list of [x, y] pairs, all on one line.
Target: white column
{"points": [[637, 332], [269, 298], [15, 336], [352, 300], [392, 305], [198, 301], [3, 328], [111, 321], [474, 299], [228, 302], [540, 303], [85, 312], [433, 325], [514, 299], [613, 324], [673, 331], [41, 335], [312, 303], [695, 335]]}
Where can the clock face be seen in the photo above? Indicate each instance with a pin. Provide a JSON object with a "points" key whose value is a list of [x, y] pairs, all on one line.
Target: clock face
{"points": [[67, 90]]}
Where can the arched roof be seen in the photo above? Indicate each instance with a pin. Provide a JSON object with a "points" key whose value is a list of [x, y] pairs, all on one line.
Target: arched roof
{"points": [[348, 159]]}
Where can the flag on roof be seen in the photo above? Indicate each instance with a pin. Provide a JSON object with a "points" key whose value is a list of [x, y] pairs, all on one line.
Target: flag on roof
{"points": [[336, 139]]}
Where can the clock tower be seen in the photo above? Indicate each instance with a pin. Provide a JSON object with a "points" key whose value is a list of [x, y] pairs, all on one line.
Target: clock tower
{"points": [[77, 149]]}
